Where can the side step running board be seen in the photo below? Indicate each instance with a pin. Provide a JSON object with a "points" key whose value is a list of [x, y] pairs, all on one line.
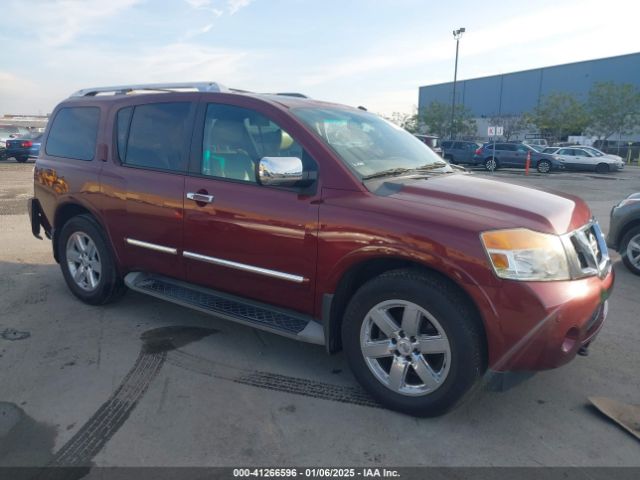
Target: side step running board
{"points": [[229, 307]]}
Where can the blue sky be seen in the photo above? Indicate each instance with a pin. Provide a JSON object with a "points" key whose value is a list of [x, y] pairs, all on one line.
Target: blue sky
{"points": [[374, 53]]}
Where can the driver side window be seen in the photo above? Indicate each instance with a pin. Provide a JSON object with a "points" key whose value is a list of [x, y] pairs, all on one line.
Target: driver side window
{"points": [[235, 139]]}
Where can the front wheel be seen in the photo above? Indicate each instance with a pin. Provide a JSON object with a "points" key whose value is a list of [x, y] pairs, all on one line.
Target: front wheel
{"points": [[630, 250], [87, 262], [602, 168], [413, 342], [544, 166], [22, 159]]}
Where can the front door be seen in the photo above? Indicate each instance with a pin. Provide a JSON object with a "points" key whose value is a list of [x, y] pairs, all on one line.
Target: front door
{"points": [[241, 237]]}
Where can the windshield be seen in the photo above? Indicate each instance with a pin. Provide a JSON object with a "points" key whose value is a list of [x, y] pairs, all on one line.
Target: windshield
{"points": [[593, 151], [367, 144]]}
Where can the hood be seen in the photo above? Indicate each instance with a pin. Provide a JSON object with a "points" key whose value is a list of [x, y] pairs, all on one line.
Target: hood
{"points": [[489, 204]]}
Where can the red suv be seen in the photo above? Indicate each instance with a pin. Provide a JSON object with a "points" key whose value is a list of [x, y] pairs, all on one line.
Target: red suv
{"points": [[323, 223]]}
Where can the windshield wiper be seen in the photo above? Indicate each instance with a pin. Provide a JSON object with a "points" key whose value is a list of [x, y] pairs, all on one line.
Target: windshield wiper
{"points": [[400, 170], [431, 166], [387, 173]]}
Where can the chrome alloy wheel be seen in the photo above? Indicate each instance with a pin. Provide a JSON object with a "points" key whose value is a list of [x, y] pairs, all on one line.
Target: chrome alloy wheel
{"points": [[83, 261], [544, 166], [405, 347], [633, 251]]}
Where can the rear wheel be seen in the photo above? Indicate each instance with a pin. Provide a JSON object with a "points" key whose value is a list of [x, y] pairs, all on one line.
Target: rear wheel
{"points": [[544, 166], [22, 159], [602, 168], [630, 250], [87, 262], [413, 343], [491, 164]]}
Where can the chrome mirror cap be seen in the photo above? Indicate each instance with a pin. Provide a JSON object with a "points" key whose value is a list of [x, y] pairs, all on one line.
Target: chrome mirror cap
{"points": [[281, 171]]}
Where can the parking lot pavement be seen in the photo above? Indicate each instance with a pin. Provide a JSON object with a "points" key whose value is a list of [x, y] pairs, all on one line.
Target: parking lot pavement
{"points": [[143, 382]]}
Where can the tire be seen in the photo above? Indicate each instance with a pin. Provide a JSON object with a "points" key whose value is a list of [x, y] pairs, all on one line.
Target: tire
{"points": [[22, 159], [630, 250], [98, 281], [491, 164], [543, 166], [447, 325], [449, 158], [602, 168]]}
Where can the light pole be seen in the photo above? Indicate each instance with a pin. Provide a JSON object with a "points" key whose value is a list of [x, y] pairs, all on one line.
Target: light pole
{"points": [[456, 34]]}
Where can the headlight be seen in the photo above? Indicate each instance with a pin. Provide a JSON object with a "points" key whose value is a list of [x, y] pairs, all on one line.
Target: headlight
{"points": [[522, 254]]}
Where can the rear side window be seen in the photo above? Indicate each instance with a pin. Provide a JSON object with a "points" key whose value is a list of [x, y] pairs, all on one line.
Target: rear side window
{"points": [[155, 135], [73, 133]]}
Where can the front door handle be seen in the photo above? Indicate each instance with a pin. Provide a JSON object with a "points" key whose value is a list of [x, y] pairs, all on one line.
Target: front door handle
{"points": [[200, 197]]}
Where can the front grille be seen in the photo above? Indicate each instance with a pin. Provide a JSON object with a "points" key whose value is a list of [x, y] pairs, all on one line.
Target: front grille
{"points": [[590, 255]]}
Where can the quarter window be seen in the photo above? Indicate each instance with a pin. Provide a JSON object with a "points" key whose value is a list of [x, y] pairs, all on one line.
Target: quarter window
{"points": [[158, 135], [74, 133]]}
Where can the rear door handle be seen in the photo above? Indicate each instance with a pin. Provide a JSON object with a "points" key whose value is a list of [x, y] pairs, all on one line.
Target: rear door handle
{"points": [[200, 197]]}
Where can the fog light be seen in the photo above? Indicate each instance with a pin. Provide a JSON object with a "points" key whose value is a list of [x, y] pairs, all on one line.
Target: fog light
{"points": [[570, 340]]}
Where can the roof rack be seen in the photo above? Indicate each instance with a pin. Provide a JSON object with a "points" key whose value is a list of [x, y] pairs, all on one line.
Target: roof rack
{"points": [[155, 87], [292, 94]]}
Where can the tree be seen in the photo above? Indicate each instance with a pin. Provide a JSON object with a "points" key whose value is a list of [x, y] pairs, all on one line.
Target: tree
{"points": [[560, 114], [408, 121], [437, 118], [613, 108], [512, 124]]}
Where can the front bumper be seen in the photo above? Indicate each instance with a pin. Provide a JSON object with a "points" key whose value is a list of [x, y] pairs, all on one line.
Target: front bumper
{"points": [[555, 319]]}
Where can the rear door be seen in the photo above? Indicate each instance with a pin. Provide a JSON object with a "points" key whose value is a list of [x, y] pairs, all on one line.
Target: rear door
{"points": [[144, 185], [466, 152], [241, 237]]}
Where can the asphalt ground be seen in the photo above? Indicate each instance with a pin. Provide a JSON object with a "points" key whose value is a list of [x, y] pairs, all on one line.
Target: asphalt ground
{"points": [[82, 385]]}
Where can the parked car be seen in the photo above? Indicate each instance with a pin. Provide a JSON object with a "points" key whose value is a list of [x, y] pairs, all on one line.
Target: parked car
{"points": [[624, 231], [322, 223], [459, 151], [514, 155], [576, 158], [594, 151], [24, 147], [536, 142], [432, 141]]}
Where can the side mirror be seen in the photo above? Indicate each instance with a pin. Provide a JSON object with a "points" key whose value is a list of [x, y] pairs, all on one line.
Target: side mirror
{"points": [[283, 172]]}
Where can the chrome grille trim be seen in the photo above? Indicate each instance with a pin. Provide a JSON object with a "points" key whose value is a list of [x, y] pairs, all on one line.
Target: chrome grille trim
{"points": [[587, 251]]}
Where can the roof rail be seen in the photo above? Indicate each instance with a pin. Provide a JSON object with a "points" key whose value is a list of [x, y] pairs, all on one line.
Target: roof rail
{"points": [[158, 87], [292, 94]]}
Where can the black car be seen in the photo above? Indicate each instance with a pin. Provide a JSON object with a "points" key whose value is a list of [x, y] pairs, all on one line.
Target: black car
{"points": [[624, 231], [460, 151]]}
